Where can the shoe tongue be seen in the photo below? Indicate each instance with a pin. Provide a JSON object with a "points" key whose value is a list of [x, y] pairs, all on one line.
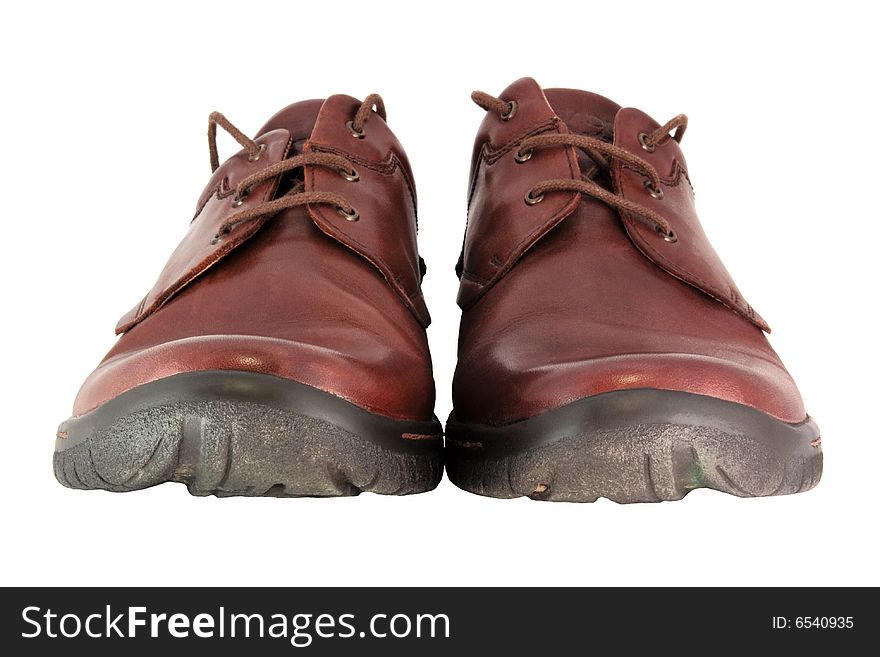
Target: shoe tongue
{"points": [[583, 112], [299, 119], [588, 114]]}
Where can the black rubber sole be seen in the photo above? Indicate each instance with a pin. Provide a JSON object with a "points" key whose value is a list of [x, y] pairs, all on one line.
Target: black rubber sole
{"points": [[636, 446], [237, 433]]}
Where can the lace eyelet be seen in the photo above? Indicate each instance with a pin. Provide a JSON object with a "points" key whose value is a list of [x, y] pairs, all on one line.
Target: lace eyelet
{"points": [[532, 199], [351, 175], [254, 158], [643, 140], [669, 236], [510, 112], [656, 192], [348, 216], [358, 134], [237, 200], [521, 157]]}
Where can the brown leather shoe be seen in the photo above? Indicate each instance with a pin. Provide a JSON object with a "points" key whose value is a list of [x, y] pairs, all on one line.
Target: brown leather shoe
{"points": [[282, 351], [605, 351]]}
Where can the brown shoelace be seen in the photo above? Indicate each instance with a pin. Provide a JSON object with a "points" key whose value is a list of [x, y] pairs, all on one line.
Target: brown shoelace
{"points": [[600, 151], [297, 196]]}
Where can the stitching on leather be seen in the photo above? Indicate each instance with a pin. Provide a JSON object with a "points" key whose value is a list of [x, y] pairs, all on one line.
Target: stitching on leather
{"points": [[473, 187], [208, 197], [394, 162], [210, 260], [474, 278], [495, 153], [221, 191], [676, 270], [527, 242], [672, 179], [680, 272], [685, 275], [484, 157], [330, 229], [386, 166], [389, 164], [377, 262], [224, 189], [489, 156], [194, 272], [486, 149]]}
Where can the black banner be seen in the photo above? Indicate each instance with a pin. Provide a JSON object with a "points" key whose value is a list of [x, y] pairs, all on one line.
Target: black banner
{"points": [[538, 621]]}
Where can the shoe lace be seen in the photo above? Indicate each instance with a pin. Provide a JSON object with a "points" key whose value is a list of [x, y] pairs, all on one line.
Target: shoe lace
{"points": [[297, 196], [603, 154]]}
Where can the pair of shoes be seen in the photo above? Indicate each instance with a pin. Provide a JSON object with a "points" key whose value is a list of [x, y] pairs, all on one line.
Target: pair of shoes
{"points": [[604, 349]]}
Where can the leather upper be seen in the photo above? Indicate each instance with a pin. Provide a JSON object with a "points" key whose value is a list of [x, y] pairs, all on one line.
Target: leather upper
{"points": [[691, 259], [570, 298], [499, 233], [203, 247], [304, 294], [389, 240]]}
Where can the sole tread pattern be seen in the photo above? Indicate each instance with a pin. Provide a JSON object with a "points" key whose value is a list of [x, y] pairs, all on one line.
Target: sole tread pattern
{"points": [[636, 446], [240, 449], [627, 467]]}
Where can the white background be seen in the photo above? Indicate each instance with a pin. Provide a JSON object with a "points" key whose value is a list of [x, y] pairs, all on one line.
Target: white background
{"points": [[104, 114]]}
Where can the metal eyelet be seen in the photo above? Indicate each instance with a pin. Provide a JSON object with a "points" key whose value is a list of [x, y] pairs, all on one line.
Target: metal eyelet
{"points": [[656, 192], [254, 158], [510, 112], [351, 175], [238, 200], [532, 199], [348, 216], [643, 140], [669, 236], [521, 157], [359, 134]]}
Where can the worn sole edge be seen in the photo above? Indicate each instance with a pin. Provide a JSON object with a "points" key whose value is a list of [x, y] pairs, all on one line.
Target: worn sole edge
{"points": [[617, 444], [210, 428]]}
